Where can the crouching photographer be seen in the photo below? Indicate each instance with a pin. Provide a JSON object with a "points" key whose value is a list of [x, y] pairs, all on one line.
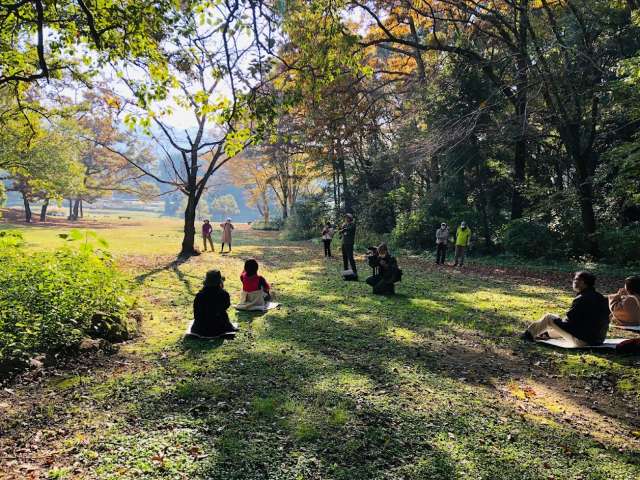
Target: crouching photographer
{"points": [[385, 270]]}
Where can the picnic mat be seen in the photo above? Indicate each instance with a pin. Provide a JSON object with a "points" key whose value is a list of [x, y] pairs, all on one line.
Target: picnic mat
{"points": [[260, 308], [189, 333], [633, 328], [609, 343]]}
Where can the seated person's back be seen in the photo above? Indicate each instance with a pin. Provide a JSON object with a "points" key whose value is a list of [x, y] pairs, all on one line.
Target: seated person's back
{"points": [[210, 307], [625, 305], [250, 279], [588, 317]]}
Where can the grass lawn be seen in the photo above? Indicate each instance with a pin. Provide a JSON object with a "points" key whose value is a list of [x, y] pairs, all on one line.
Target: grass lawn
{"points": [[335, 384]]}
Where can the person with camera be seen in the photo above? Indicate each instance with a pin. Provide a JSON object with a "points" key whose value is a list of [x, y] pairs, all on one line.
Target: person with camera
{"points": [[348, 234], [385, 270]]}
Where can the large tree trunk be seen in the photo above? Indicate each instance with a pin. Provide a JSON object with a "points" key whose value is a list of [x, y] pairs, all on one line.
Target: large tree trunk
{"points": [[188, 241], [521, 99], [75, 211], [27, 207], [585, 195], [43, 210]]}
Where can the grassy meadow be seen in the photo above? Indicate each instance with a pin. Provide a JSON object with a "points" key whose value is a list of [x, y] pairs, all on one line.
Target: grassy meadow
{"points": [[432, 383]]}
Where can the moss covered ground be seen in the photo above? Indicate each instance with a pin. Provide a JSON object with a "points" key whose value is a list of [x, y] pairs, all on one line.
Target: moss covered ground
{"points": [[432, 383]]}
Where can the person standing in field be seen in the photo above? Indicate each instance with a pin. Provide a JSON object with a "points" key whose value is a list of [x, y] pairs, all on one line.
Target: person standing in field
{"points": [[207, 230], [327, 236], [463, 240], [442, 239], [227, 228], [348, 234]]}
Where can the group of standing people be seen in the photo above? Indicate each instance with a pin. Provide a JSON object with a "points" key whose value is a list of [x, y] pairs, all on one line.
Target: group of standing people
{"points": [[207, 232], [462, 241]]}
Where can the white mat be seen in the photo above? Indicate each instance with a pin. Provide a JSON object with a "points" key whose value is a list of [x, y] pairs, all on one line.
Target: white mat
{"points": [[634, 328], [189, 333], [267, 306], [609, 343]]}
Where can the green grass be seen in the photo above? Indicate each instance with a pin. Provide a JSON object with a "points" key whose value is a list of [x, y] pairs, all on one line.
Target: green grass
{"points": [[336, 384]]}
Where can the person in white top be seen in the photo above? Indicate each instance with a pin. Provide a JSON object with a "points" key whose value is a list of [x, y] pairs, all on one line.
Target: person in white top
{"points": [[327, 236]]}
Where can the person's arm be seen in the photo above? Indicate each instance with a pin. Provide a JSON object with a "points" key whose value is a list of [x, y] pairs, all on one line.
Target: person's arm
{"points": [[616, 302], [469, 238], [226, 299], [262, 283]]}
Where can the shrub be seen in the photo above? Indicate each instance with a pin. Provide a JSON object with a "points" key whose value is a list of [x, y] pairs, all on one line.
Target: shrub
{"points": [[620, 245], [268, 226], [48, 300], [528, 239], [306, 219], [413, 230]]}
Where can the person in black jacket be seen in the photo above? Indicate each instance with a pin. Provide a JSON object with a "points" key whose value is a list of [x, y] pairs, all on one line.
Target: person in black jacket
{"points": [[385, 270], [587, 320], [210, 308], [348, 234]]}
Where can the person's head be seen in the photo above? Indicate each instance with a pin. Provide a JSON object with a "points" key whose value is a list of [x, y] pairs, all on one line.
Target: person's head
{"points": [[206, 221], [632, 285], [348, 217], [213, 279], [583, 281], [463, 224], [228, 220], [383, 250], [328, 224], [251, 267], [443, 225]]}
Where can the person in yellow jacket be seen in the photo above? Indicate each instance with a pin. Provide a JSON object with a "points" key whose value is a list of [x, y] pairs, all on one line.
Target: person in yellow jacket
{"points": [[463, 239]]}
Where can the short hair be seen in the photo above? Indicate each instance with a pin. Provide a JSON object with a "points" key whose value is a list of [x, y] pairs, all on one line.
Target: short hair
{"points": [[251, 266], [587, 277], [632, 284], [383, 246], [213, 278]]}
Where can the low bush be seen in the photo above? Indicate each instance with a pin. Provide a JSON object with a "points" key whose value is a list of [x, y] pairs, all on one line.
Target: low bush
{"points": [[413, 231], [49, 300], [268, 226], [529, 239], [306, 220], [620, 246]]}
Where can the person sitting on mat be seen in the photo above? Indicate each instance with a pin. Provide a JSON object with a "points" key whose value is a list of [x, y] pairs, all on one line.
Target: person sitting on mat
{"points": [[625, 305], [255, 289], [385, 270], [210, 317], [587, 320]]}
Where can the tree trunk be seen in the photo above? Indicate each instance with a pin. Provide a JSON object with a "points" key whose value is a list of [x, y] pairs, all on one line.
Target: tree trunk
{"points": [[27, 207], [70, 209], [76, 206], [43, 210], [189, 238], [346, 194], [521, 100], [585, 195], [81, 210]]}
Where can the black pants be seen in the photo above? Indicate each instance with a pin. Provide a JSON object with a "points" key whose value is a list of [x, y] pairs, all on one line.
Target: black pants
{"points": [[347, 258], [327, 247], [441, 253], [380, 285]]}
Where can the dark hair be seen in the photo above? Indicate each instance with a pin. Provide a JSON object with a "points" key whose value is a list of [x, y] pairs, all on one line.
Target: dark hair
{"points": [[251, 267], [587, 277], [632, 284], [213, 278]]}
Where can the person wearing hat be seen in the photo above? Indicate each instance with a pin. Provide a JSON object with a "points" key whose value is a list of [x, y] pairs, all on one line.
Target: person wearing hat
{"points": [[442, 239], [226, 227], [348, 234], [210, 306], [463, 239]]}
